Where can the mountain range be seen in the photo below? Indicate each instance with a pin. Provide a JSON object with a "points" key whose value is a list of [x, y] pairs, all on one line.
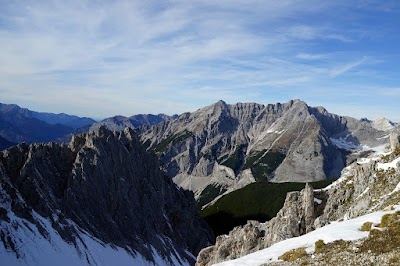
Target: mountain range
{"points": [[4, 144], [124, 190], [23, 125], [121, 122], [224, 147]]}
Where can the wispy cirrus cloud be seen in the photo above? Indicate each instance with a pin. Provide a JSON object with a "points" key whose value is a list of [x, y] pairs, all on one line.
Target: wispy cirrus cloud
{"points": [[307, 56], [129, 53], [347, 67]]}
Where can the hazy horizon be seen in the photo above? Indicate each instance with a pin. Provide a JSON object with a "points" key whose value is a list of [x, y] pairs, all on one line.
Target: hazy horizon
{"points": [[171, 114]]}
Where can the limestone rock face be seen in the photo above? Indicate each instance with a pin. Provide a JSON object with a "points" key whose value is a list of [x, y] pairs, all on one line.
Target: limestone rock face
{"points": [[365, 186], [276, 142], [108, 185], [294, 219], [394, 140], [383, 124]]}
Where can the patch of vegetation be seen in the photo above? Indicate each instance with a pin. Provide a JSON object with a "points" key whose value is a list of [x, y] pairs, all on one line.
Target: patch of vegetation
{"points": [[209, 193], [235, 160], [385, 183], [389, 219], [394, 199], [146, 144], [385, 240], [330, 250], [263, 165], [392, 156], [258, 201], [338, 246], [252, 159], [366, 227], [293, 255], [320, 246], [173, 139], [395, 260]]}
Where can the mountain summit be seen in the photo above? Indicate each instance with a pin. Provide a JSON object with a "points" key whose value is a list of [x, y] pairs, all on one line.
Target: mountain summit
{"points": [[226, 146], [102, 193]]}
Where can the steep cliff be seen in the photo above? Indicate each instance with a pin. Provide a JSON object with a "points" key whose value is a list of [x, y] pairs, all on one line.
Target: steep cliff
{"points": [[294, 219], [103, 185], [366, 186], [229, 146]]}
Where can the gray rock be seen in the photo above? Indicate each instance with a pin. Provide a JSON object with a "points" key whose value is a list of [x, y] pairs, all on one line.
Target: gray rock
{"points": [[394, 140], [363, 188], [295, 218], [108, 185], [275, 142]]}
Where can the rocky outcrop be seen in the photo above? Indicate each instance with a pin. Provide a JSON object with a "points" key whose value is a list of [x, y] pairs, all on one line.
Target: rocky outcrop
{"points": [[383, 124], [295, 218], [394, 140], [106, 184], [365, 186]]}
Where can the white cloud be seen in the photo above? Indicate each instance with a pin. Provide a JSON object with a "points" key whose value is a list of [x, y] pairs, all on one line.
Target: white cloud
{"points": [[307, 56], [135, 55], [347, 67]]}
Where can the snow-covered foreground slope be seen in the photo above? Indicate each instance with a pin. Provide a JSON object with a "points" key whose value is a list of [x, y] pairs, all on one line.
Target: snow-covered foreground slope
{"points": [[345, 230], [34, 249]]}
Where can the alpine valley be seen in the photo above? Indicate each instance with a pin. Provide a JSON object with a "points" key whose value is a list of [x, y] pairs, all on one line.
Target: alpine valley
{"points": [[303, 187]]}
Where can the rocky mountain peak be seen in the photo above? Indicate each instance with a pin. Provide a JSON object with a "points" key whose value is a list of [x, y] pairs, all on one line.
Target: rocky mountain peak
{"points": [[220, 103], [383, 124], [106, 184], [13, 109], [221, 144]]}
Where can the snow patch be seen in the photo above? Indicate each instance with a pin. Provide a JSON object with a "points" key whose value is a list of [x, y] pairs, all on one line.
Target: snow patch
{"points": [[318, 201], [386, 166], [343, 143], [397, 188], [363, 193], [275, 131], [384, 137], [34, 249], [345, 230]]}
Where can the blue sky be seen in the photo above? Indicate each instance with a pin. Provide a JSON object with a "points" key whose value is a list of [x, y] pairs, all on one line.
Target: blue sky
{"points": [[102, 58]]}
